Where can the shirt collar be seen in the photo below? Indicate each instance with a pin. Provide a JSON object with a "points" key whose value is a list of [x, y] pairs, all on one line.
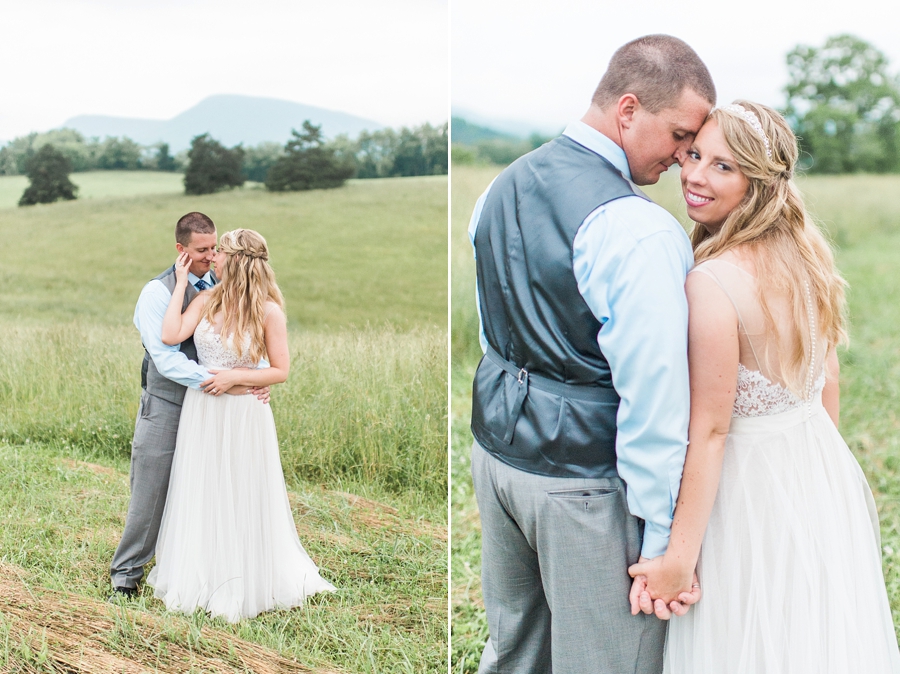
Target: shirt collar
{"points": [[596, 142], [193, 279]]}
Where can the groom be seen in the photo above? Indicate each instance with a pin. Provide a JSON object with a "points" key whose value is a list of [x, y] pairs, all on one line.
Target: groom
{"points": [[166, 373], [580, 404]]}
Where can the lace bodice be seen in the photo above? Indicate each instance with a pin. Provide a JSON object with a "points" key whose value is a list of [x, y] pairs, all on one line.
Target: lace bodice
{"points": [[217, 353], [757, 396]]}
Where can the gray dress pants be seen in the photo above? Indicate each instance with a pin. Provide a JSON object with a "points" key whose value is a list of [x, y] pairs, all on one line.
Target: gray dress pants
{"points": [[555, 554], [151, 462]]}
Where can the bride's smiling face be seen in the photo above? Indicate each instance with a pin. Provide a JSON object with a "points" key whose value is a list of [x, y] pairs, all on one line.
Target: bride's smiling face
{"points": [[711, 181]]}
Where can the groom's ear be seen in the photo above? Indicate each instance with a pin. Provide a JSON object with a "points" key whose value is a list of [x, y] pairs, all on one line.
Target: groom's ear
{"points": [[179, 247], [627, 105]]}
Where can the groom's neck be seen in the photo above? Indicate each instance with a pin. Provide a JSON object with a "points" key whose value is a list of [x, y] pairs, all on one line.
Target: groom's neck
{"points": [[603, 121]]}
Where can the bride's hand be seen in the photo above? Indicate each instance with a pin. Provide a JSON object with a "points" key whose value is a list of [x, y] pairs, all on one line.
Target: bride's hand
{"points": [[220, 382], [662, 586], [182, 266]]}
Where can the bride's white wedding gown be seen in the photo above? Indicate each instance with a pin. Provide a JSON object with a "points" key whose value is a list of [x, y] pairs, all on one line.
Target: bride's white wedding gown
{"points": [[791, 563], [227, 542]]}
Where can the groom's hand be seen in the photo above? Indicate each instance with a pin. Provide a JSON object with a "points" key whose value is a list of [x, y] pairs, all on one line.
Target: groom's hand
{"points": [[641, 599], [261, 393]]}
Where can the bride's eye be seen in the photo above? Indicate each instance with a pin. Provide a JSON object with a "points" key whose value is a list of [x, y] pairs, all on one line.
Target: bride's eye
{"points": [[693, 154]]}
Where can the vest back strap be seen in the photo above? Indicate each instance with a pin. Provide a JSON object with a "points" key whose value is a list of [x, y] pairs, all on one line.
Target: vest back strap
{"points": [[600, 394]]}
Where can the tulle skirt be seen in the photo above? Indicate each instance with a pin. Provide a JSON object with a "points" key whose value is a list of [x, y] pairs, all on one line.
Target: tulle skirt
{"points": [[791, 562], [227, 542]]}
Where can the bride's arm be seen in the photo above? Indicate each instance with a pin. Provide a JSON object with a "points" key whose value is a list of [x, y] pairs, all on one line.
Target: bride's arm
{"points": [[713, 352], [178, 326], [831, 394], [275, 327]]}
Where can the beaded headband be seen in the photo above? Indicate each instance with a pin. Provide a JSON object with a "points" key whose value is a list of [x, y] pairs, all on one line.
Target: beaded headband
{"points": [[751, 119]]}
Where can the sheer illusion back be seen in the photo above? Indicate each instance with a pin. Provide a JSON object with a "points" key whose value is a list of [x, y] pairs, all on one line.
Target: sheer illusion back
{"points": [[762, 388]]}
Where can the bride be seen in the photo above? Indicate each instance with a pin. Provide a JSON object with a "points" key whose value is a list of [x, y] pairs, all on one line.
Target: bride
{"points": [[227, 543], [790, 563]]}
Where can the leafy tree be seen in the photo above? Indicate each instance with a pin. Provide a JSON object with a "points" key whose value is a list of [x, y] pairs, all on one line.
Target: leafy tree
{"points": [[48, 169], [844, 106], [375, 153], [345, 150], [69, 142], [258, 160], [416, 151], [308, 164], [212, 166], [164, 161], [421, 151], [119, 154]]}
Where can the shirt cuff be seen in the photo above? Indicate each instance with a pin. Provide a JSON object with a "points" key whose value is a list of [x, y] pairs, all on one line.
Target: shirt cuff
{"points": [[656, 540]]}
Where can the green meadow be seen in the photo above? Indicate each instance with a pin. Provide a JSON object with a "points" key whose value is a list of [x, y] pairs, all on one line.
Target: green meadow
{"points": [[362, 423], [862, 216]]}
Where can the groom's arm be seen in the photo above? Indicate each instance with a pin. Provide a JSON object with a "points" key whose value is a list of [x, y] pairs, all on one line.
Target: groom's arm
{"points": [[630, 260], [170, 362], [473, 227]]}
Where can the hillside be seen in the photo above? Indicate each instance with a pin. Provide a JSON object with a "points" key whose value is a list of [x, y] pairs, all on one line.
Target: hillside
{"points": [[229, 118], [464, 132]]}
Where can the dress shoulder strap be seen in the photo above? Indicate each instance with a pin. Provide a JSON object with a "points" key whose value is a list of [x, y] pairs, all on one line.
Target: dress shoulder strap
{"points": [[721, 275]]}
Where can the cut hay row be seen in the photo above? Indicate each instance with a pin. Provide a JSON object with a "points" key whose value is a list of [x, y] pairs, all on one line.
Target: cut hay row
{"points": [[50, 631]]}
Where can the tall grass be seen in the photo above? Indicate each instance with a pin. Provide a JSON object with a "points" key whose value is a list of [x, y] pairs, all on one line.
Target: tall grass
{"points": [[367, 406]]}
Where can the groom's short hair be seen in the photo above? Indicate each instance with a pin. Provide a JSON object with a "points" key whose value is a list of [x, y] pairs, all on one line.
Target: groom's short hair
{"points": [[656, 69], [193, 223]]}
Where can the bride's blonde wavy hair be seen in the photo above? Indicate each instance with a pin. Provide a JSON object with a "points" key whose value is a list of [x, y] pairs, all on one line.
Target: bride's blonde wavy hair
{"points": [[787, 246], [246, 282]]}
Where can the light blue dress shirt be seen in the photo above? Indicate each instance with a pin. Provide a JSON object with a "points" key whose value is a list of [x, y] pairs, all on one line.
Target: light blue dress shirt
{"points": [[148, 319], [631, 258]]}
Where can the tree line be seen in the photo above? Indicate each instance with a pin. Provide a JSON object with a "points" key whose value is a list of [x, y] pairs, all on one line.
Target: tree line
{"points": [[842, 100], [306, 161], [420, 150]]}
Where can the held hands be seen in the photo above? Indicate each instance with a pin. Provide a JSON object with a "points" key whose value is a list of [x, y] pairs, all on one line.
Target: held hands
{"points": [[182, 266], [662, 587]]}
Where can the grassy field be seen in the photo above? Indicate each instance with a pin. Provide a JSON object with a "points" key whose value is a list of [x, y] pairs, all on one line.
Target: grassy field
{"points": [[101, 185], [862, 214], [362, 425], [373, 252]]}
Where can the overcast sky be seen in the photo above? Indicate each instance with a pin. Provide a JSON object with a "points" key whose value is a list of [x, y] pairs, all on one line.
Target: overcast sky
{"points": [[386, 60], [539, 61]]}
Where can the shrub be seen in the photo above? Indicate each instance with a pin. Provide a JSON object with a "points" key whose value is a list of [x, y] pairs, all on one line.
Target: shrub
{"points": [[48, 169]]}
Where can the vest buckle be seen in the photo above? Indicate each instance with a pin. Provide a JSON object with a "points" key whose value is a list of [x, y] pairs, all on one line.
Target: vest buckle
{"points": [[522, 376]]}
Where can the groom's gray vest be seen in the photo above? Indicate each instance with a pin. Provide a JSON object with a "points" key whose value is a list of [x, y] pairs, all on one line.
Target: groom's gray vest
{"points": [[543, 399], [151, 380]]}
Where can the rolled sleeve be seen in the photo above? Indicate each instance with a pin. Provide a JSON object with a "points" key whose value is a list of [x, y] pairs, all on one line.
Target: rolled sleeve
{"points": [[632, 277], [170, 362]]}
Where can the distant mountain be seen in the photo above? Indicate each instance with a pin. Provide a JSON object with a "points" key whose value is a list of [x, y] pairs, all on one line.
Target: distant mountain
{"points": [[230, 119], [515, 127], [464, 132]]}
